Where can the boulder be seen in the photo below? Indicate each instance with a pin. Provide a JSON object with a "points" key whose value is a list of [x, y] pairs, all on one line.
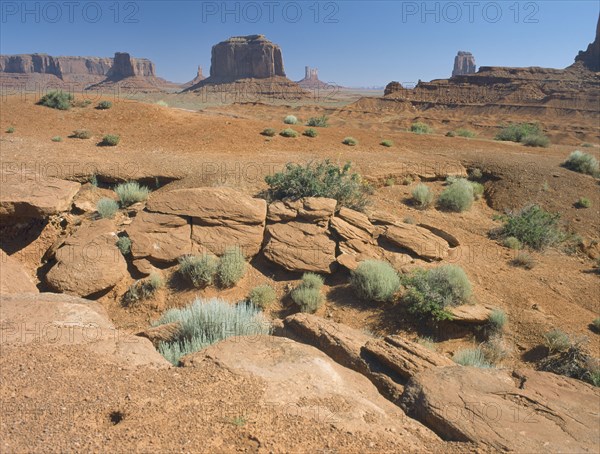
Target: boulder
{"points": [[88, 261], [314, 209], [216, 238], [464, 63], [475, 314], [357, 219], [305, 381], [280, 211], [33, 196], [58, 319], [298, 246], [524, 411], [159, 237], [417, 240], [88, 196], [13, 276]]}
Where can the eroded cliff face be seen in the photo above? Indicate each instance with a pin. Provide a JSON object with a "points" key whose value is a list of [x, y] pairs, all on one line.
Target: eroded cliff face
{"points": [[590, 57], [464, 63], [126, 66], [61, 67]]}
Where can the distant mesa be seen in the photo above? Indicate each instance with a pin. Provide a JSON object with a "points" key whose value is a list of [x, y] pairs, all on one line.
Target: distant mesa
{"points": [[311, 79], [249, 64], [464, 63]]}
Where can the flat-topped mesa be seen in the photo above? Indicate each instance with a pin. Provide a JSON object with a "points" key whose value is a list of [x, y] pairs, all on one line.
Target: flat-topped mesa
{"points": [[464, 63], [64, 68], [126, 66], [246, 57]]}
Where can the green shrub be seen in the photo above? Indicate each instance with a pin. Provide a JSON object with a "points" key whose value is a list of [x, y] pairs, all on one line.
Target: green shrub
{"points": [[110, 140], [471, 357], [269, 132], [497, 319], [82, 104], [420, 128], [290, 120], [131, 192], [557, 341], [583, 202], [10, 130], [375, 281], [318, 122], [162, 103], [475, 174], [143, 289], [289, 132], [319, 180], [307, 295], [231, 267], [581, 162], [533, 227], [206, 322], [430, 292], [512, 243], [477, 190], [262, 296], [199, 270], [422, 196], [516, 132], [523, 260], [81, 134], [107, 208], [457, 197], [572, 361], [124, 245], [387, 143], [495, 349], [350, 141], [428, 343], [536, 140], [57, 139], [104, 105], [389, 182], [407, 181], [57, 100], [462, 132], [310, 133]]}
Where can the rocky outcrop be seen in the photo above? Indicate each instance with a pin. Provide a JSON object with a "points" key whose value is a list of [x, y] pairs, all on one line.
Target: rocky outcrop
{"points": [[65, 68], [126, 66], [464, 63], [33, 196], [306, 381], [88, 261], [392, 87], [590, 58], [523, 411], [52, 319], [13, 276], [417, 240], [311, 80]]}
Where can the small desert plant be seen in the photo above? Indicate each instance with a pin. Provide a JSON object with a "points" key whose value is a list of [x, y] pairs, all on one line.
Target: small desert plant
{"points": [[465, 133], [107, 208], [523, 260], [322, 179], [375, 281], [516, 132], [495, 349], [57, 139], [290, 120], [409, 220], [81, 134], [472, 357], [422, 196], [430, 292], [103, 105], [10, 130], [350, 141], [262, 296], [124, 245], [310, 132], [143, 289], [497, 319], [458, 196], [572, 361], [307, 295], [478, 190], [536, 140], [557, 341], [57, 100], [81, 104], [387, 143], [533, 227], [269, 132], [581, 162], [450, 134], [231, 267], [131, 192], [420, 128], [162, 103], [389, 182], [318, 122], [596, 324], [475, 174], [199, 270], [512, 243], [289, 132], [110, 140], [407, 181], [427, 342], [206, 322], [583, 202]]}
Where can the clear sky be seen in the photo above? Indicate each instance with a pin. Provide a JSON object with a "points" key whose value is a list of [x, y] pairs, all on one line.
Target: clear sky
{"points": [[353, 43]]}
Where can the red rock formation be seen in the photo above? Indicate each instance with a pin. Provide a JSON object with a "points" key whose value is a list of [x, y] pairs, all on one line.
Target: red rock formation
{"points": [[464, 63], [591, 56], [311, 79], [125, 66]]}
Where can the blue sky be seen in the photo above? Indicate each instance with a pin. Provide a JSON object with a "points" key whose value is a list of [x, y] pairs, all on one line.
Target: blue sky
{"points": [[353, 43]]}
